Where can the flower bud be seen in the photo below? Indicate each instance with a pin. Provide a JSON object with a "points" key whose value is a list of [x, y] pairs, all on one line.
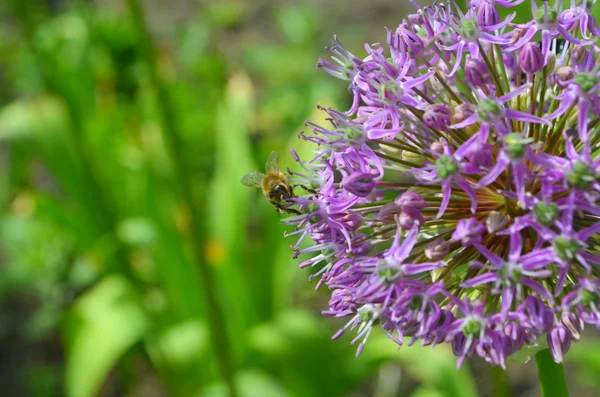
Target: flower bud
{"points": [[413, 42], [545, 16], [566, 247], [461, 113], [538, 315], [360, 184], [446, 166], [477, 73], [468, 28], [564, 75], [559, 341], [437, 147], [573, 323], [516, 336], [489, 109], [437, 116], [437, 249], [531, 58], [472, 327], [487, 14], [496, 221], [468, 231], [517, 34], [410, 201], [545, 213], [510, 63], [568, 19], [458, 344], [578, 54], [352, 220], [416, 19], [388, 212], [587, 81], [482, 155], [515, 145], [581, 176], [341, 300], [406, 220]]}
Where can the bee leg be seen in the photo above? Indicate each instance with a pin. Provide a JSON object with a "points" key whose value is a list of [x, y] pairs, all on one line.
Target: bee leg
{"points": [[312, 191], [281, 208]]}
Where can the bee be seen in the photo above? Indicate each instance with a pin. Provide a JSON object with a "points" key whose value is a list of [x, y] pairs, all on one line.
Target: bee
{"points": [[274, 185]]}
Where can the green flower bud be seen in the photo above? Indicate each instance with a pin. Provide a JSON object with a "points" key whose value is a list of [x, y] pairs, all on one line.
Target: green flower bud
{"points": [[581, 176], [587, 298], [586, 81], [509, 273], [468, 28], [386, 272], [416, 302], [545, 213], [471, 327], [515, 145], [315, 218], [446, 166], [488, 108], [566, 247], [540, 15]]}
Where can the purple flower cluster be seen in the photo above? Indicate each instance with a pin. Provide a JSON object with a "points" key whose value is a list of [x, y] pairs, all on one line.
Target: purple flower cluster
{"points": [[457, 200]]}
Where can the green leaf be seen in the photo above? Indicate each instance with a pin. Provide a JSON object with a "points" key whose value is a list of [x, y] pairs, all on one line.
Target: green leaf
{"points": [[251, 383], [104, 324], [137, 231], [299, 24], [182, 343], [228, 208], [426, 392]]}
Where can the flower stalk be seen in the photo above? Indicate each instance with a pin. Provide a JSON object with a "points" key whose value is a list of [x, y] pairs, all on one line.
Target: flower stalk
{"points": [[551, 375]]}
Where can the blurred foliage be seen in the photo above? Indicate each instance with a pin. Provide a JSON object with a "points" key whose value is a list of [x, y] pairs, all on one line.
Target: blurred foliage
{"points": [[97, 279]]}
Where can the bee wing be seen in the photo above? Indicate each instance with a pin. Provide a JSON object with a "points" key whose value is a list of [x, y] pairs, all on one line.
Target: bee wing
{"points": [[272, 162], [253, 179]]}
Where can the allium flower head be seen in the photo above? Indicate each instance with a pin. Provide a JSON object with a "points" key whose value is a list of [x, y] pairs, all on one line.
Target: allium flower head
{"points": [[456, 201]]}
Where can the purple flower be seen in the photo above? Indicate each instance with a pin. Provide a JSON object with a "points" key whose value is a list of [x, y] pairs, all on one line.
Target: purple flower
{"points": [[460, 208], [531, 58], [437, 116], [361, 184], [477, 73], [468, 231], [513, 276], [437, 249], [547, 21], [559, 341]]}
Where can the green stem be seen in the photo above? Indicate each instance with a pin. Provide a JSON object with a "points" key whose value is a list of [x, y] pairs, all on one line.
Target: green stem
{"points": [[501, 382], [176, 148], [551, 375]]}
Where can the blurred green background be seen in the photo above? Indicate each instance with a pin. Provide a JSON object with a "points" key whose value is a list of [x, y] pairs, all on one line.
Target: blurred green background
{"points": [[132, 261]]}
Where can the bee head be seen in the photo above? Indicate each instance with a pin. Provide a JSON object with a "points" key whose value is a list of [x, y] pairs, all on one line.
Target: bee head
{"points": [[280, 191]]}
